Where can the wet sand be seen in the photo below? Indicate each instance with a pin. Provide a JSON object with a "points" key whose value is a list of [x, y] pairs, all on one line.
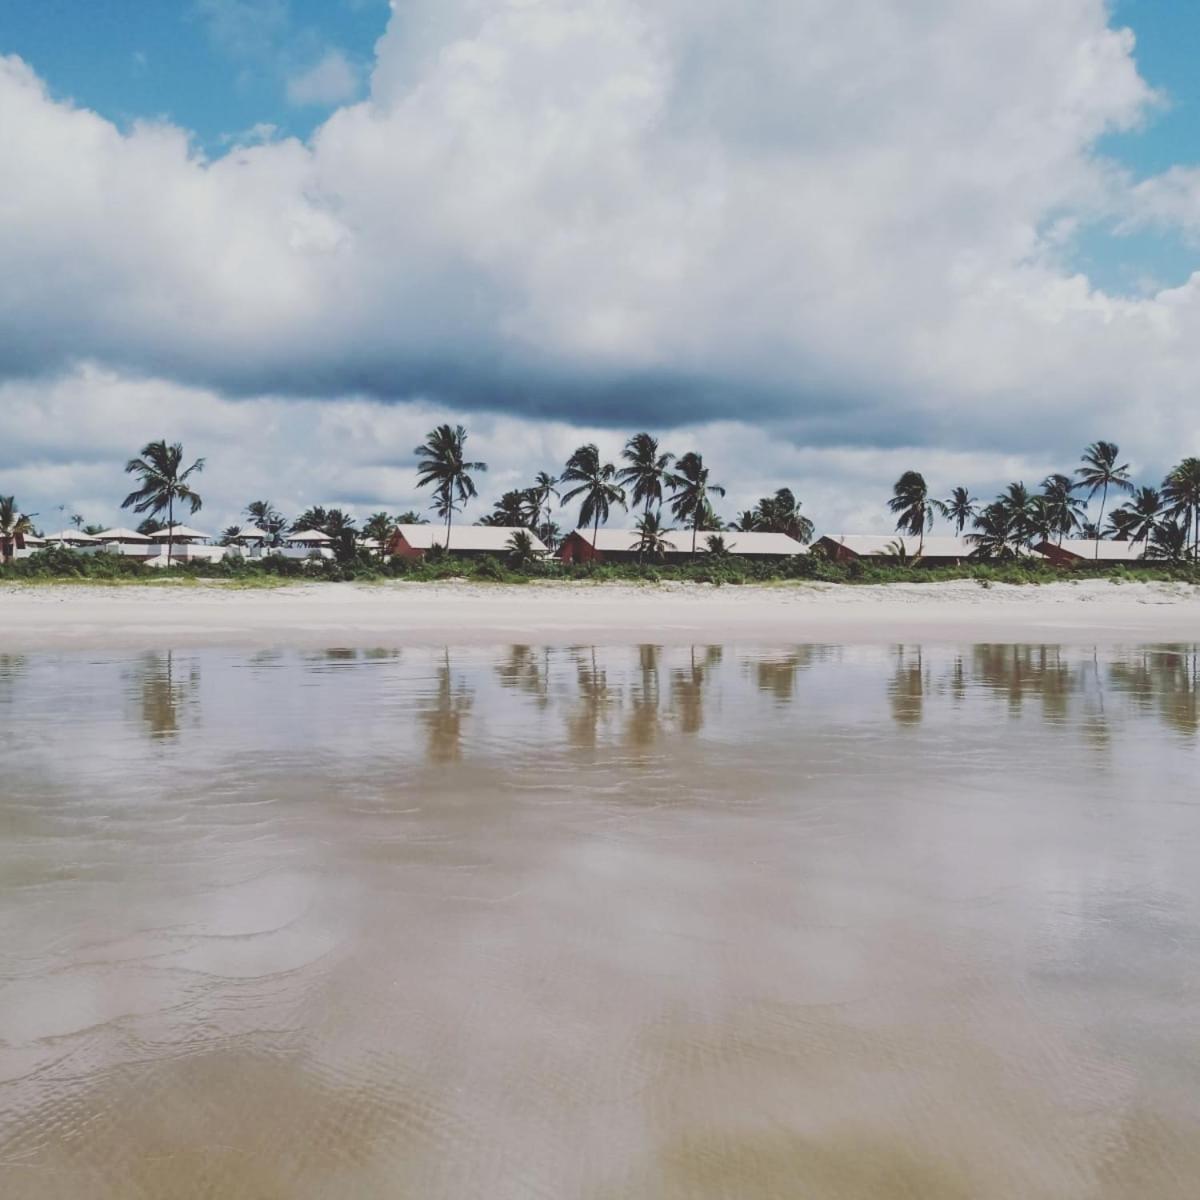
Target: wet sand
{"points": [[314, 615]]}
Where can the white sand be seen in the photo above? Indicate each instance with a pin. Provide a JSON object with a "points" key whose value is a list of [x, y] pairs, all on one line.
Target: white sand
{"points": [[323, 614]]}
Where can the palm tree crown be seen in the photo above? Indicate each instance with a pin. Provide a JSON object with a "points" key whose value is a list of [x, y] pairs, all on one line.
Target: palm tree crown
{"points": [[596, 484], [1181, 491], [780, 513], [910, 503], [1100, 471], [959, 508], [690, 491], [267, 518], [164, 482], [1063, 508], [442, 462], [13, 524], [647, 469], [652, 537]]}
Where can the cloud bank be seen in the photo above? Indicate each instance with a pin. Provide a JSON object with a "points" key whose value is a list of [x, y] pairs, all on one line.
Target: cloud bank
{"points": [[839, 229]]}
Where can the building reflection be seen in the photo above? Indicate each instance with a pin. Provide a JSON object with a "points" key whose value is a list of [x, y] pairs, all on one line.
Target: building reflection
{"points": [[778, 676], [526, 669], [1163, 679]]}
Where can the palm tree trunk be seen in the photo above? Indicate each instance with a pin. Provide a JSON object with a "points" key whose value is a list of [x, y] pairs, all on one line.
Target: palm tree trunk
{"points": [[170, 527], [695, 530], [1100, 523], [595, 534]]}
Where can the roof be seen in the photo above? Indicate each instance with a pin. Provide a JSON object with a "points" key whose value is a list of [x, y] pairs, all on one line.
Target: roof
{"points": [[680, 541], [121, 535], [69, 535], [1085, 549], [253, 534], [178, 533], [494, 538], [308, 536], [878, 545]]}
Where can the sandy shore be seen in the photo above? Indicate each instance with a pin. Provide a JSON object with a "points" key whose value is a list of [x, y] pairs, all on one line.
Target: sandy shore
{"points": [[1084, 612]]}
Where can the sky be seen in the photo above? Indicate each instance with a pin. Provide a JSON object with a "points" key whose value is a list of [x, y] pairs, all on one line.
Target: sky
{"points": [[821, 241]]}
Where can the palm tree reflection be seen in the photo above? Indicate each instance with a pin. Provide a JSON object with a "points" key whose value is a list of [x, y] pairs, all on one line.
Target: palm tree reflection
{"points": [[443, 719], [166, 692]]}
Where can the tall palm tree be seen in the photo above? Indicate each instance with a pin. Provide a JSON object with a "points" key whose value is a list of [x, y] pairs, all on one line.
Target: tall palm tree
{"points": [[1023, 514], [13, 524], [379, 528], [597, 485], [992, 535], [959, 508], [1181, 491], [441, 461], [315, 517], [647, 469], [1140, 515], [267, 518], [1169, 540], [164, 482], [690, 491], [544, 486], [652, 537], [910, 503], [1099, 472], [1064, 508], [781, 513], [1120, 525], [511, 509]]}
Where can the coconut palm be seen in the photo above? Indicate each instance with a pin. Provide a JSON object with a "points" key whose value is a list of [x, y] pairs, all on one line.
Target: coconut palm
{"points": [[1144, 512], [513, 508], [311, 518], [164, 482], [544, 486], [380, 527], [1120, 525], [1064, 508], [13, 524], [230, 535], [597, 485], [442, 462], [781, 513], [521, 551], [1024, 517], [1181, 491], [1169, 541], [647, 470], [265, 516], [992, 535], [409, 517], [746, 521], [910, 503], [959, 508], [1099, 472], [715, 546], [652, 537], [690, 491]]}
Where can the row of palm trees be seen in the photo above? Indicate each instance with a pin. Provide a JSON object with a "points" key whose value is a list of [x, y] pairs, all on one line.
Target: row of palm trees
{"points": [[1165, 518]]}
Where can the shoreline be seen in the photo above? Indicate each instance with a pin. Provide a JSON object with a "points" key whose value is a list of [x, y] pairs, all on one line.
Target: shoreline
{"points": [[80, 616]]}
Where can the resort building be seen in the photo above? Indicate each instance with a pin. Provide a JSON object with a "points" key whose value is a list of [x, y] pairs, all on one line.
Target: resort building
{"points": [[71, 538], [466, 541], [621, 545], [937, 551], [1074, 552]]}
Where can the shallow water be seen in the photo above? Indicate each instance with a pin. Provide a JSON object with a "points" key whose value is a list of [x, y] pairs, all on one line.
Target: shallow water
{"points": [[810, 921]]}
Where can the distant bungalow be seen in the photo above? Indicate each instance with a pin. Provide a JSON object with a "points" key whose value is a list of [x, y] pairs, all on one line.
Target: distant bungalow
{"points": [[466, 541], [1078, 551], [621, 545], [881, 547]]}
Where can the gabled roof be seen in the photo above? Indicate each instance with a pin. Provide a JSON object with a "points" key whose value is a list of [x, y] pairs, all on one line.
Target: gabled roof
{"points": [[121, 535], [179, 533], [480, 538], [614, 541], [252, 534], [307, 537], [878, 545], [70, 535], [1089, 550]]}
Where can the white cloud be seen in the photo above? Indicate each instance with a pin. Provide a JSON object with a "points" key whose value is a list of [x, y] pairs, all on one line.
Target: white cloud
{"points": [[843, 222], [331, 80]]}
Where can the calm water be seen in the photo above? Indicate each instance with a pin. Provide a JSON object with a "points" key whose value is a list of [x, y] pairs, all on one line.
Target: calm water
{"points": [[809, 922]]}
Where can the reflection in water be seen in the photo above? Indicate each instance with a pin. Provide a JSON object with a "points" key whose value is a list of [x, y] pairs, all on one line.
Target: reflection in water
{"points": [[663, 922]]}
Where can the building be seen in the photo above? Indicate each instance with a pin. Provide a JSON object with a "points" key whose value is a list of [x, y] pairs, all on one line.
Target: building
{"points": [[938, 551], [1075, 552], [466, 541], [621, 545]]}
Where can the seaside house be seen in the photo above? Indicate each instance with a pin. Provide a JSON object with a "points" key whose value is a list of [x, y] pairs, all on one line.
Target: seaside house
{"points": [[70, 538], [1075, 552], [305, 543], [186, 545], [466, 541], [126, 542], [939, 551], [621, 545]]}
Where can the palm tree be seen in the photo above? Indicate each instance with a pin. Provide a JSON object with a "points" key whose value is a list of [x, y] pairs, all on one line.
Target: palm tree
{"points": [[268, 518], [910, 503], [164, 483], [311, 518], [1145, 510], [511, 509], [13, 524], [1181, 491], [409, 517], [690, 491], [1024, 517], [1064, 508], [441, 461], [781, 513], [1169, 540], [746, 522], [544, 486], [993, 533], [379, 528], [1120, 525], [1099, 472], [960, 508], [230, 534], [597, 485], [715, 546], [521, 552], [652, 537], [647, 469]]}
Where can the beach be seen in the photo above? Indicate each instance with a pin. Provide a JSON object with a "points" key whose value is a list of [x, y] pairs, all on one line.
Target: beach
{"points": [[82, 616]]}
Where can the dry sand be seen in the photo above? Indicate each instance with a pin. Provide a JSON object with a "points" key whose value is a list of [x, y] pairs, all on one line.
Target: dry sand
{"points": [[324, 614]]}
